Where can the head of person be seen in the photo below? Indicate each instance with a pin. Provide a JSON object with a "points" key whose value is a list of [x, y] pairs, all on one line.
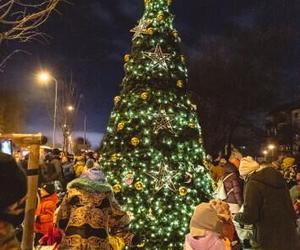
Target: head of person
{"points": [[56, 152], [13, 189], [47, 189], [89, 163], [94, 174], [205, 218], [248, 166]]}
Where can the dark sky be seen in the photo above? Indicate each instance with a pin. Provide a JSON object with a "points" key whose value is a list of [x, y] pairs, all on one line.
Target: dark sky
{"points": [[90, 37]]}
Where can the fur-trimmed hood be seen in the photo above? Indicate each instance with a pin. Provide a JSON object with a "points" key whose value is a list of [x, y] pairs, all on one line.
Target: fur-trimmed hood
{"points": [[89, 185]]}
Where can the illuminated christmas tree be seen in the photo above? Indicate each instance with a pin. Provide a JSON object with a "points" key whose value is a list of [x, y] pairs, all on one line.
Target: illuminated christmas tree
{"points": [[152, 151]]}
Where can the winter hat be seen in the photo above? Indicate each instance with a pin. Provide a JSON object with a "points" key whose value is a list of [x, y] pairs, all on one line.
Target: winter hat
{"points": [[248, 166], [94, 174], [13, 183], [49, 188], [205, 217], [288, 162], [89, 163], [222, 208]]}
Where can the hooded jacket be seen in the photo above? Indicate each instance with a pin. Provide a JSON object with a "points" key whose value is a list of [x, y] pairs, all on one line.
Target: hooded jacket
{"points": [[89, 213], [44, 213], [269, 208]]}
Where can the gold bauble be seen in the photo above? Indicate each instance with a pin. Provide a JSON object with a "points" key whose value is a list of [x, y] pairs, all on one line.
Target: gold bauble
{"points": [[192, 125], [145, 96], [147, 2], [114, 157], [169, 2], [120, 126], [160, 16], [126, 58], [135, 141], [180, 83], [175, 34], [117, 99], [183, 191], [139, 186], [117, 188], [150, 31]]}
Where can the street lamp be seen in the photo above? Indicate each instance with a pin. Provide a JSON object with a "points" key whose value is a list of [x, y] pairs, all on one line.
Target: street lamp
{"points": [[271, 147], [70, 108], [45, 77], [265, 152]]}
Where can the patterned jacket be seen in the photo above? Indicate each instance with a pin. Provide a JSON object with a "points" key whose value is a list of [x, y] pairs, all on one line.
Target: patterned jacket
{"points": [[88, 213], [233, 185]]}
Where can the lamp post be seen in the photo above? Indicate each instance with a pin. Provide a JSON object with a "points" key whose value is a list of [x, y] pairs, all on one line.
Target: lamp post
{"points": [[45, 77]]}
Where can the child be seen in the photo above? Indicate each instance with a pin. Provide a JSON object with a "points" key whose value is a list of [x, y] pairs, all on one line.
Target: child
{"points": [[45, 210], [206, 230]]}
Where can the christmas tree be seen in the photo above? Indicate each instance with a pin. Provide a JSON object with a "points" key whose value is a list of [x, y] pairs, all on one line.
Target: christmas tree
{"points": [[152, 152]]}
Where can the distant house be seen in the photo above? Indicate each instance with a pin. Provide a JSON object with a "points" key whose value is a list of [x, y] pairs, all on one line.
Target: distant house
{"points": [[283, 127]]}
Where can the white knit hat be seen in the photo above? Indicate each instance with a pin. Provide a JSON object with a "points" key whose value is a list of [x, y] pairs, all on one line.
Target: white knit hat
{"points": [[248, 166]]}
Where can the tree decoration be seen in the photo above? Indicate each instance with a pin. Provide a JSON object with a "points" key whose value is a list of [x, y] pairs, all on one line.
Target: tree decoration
{"points": [[150, 214], [135, 141], [128, 180], [158, 58], [175, 34], [147, 2], [117, 99], [150, 31], [163, 122], [188, 178], [145, 95], [164, 178], [169, 2], [192, 125], [114, 157], [182, 58], [139, 186], [117, 188], [141, 28], [126, 58], [183, 191], [120, 126], [160, 16], [180, 83]]}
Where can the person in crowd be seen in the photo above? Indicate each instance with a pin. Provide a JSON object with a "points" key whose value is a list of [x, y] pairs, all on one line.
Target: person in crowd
{"points": [[89, 215], [79, 165], [233, 187], [13, 191], [56, 161], [207, 230], [289, 170], [68, 169], [216, 170], [267, 206], [45, 210]]}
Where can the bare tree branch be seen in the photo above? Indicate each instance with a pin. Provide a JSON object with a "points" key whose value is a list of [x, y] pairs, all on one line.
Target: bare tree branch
{"points": [[20, 21]]}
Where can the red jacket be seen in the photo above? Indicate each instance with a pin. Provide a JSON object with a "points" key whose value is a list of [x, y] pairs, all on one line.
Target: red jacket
{"points": [[44, 213]]}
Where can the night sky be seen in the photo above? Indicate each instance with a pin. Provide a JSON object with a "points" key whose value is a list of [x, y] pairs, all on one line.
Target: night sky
{"points": [[89, 38]]}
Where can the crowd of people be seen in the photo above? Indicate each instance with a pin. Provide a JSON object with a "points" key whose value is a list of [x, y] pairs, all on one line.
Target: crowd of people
{"points": [[256, 205]]}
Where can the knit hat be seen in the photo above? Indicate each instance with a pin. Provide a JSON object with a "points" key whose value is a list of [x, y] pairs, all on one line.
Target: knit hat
{"points": [[49, 188], [13, 183], [248, 166], [94, 174], [205, 218], [222, 208]]}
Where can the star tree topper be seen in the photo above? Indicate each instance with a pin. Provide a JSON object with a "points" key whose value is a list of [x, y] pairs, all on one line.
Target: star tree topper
{"points": [[158, 57], [141, 28], [164, 178], [162, 122]]}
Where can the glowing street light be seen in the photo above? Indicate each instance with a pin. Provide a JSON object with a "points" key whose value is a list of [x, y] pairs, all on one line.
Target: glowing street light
{"points": [[271, 147], [70, 108], [45, 77]]}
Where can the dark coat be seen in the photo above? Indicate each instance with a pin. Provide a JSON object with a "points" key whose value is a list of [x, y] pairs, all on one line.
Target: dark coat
{"points": [[233, 185], [269, 208]]}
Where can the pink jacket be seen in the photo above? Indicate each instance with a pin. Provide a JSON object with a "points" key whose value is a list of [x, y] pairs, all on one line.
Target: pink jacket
{"points": [[211, 241]]}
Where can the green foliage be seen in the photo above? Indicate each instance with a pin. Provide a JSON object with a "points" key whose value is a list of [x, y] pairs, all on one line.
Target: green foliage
{"points": [[152, 152]]}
